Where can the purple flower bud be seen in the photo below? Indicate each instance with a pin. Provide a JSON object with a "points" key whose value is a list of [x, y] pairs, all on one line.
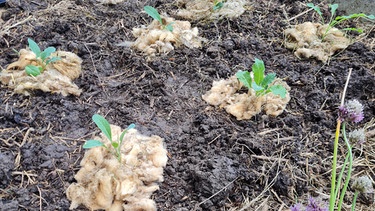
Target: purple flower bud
{"points": [[316, 205], [297, 207], [352, 111]]}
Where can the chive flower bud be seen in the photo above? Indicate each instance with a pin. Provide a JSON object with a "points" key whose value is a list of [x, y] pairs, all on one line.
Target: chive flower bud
{"points": [[313, 205], [363, 184], [296, 207], [352, 111], [357, 135], [316, 205]]}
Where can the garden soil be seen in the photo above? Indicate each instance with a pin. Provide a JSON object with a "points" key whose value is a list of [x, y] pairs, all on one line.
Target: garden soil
{"points": [[215, 161]]}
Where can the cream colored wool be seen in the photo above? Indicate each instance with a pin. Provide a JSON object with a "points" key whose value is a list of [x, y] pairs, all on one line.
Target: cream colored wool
{"points": [[105, 183], [153, 39], [57, 78], [306, 40], [246, 105], [203, 9]]}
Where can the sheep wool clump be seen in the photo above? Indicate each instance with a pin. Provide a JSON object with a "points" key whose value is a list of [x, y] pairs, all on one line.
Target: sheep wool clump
{"points": [[308, 42], [155, 39], [203, 9], [56, 78], [105, 183], [224, 93]]}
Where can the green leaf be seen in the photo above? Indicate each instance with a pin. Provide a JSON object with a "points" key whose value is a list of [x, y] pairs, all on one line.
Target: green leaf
{"points": [[372, 17], [258, 70], [103, 125], [34, 47], [47, 52], [256, 87], [218, 6], [131, 126], [53, 59], [92, 143], [169, 27], [115, 145], [151, 11], [33, 70], [268, 79], [354, 29], [278, 90], [245, 78], [316, 8], [333, 9]]}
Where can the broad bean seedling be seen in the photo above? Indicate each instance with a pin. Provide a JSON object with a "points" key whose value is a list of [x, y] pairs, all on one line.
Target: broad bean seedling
{"points": [[105, 127], [151, 11], [259, 82], [42, 56], [334, 21]]}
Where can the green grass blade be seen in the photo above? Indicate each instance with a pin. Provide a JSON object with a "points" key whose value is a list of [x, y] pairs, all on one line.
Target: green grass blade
{"points": [[258, 70], [245, 78], [151, 11], [92, 143], [34, 47], [103, 125]]}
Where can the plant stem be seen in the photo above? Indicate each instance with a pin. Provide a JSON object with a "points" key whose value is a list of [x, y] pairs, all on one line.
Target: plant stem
{"points": [[339, 179], [332, 198], [349, 168], [354, 200]]}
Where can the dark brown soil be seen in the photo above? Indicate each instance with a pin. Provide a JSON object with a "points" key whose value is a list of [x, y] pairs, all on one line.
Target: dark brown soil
{"points": [[268, 161]]}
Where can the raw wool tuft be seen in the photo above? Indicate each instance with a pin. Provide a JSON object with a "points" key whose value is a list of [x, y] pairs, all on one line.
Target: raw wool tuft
{"points": [[203, 9], [245, 105], [154, 39], [105, 183], [57, 78], [306, 39]]}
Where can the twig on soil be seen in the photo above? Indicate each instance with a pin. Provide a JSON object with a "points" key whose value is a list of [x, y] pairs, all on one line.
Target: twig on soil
{"points": [[214, 139], [40, 198], [95, 70], [302, 13], [6, 29], [204, 201], [27, 174], [269, 158]]}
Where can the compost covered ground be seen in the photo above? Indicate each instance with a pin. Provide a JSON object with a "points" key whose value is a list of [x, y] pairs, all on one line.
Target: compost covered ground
{"points": [[215, 162]]}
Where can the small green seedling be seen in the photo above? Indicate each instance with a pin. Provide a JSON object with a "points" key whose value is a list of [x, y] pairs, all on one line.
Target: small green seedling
{"points": [[42, 56], [105, 127], [259, 82], [151, 11], [334, 21], [218, 4]]}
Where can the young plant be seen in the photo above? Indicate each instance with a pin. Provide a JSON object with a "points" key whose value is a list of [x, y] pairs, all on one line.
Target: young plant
{"points": [[105, 127], [43, 58], [151, 11], [218, 4], [334, 21], [259, 82]]}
